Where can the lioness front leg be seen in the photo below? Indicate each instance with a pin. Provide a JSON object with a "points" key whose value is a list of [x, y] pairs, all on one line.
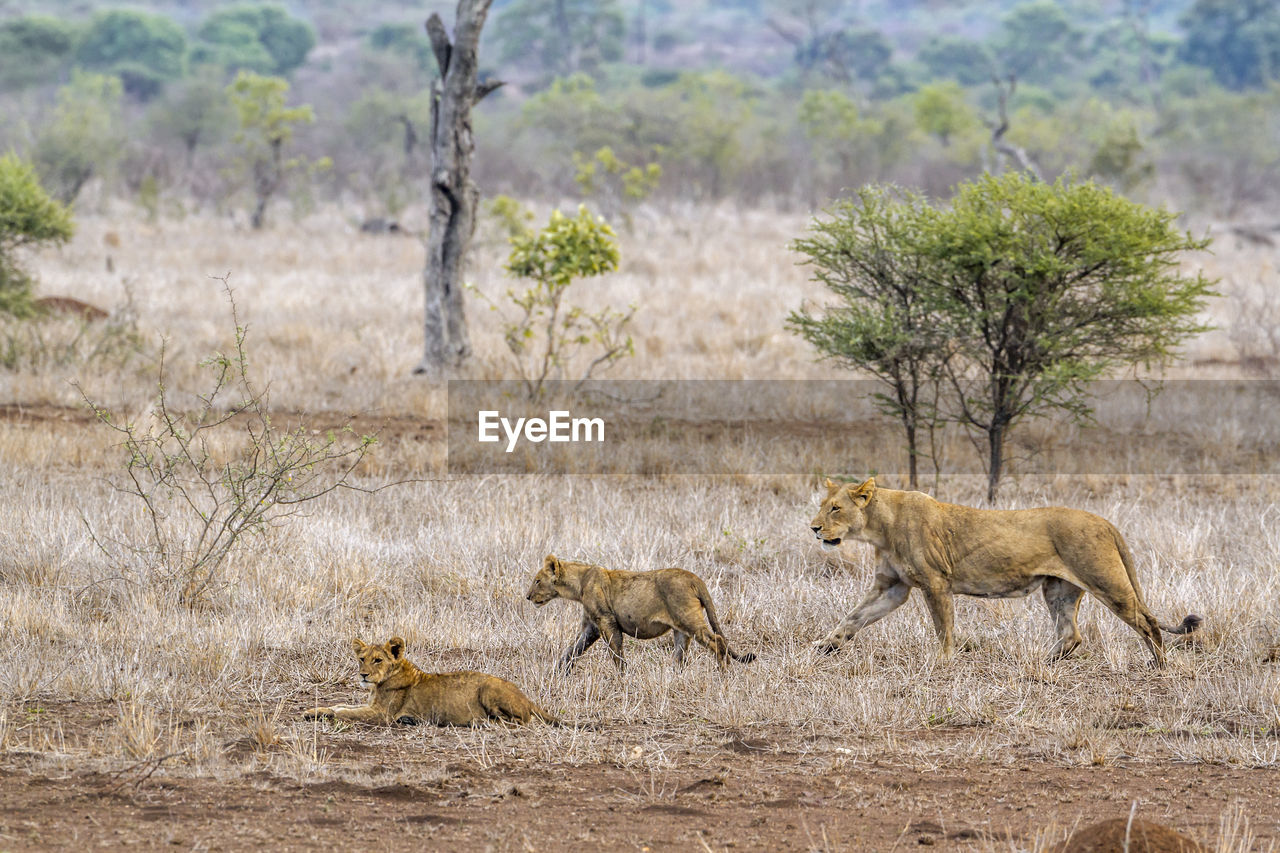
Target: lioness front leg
{"points": [[586, 637], [942, 610], [886, 595]]}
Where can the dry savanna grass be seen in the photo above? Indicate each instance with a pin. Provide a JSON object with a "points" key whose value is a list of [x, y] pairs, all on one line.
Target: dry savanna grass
{"points": [[102, 668]]}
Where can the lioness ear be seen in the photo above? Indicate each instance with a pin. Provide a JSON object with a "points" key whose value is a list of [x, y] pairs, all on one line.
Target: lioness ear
{"points": [[832, 486], [396, 646], [862, 494]]}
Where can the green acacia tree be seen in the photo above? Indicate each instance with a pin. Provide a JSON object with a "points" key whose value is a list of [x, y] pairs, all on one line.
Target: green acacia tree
{"points": [[84, 138], [34, 49], [885, 320], [259, 37], [549, 333], [560, 37], [28, 217], [1044, 287], [1239, 40], [831, 123], [144, 50], [266, 127], [957, 58], [941, 110], [1002, 305], [195, 112], [614, 183], [1037, 40]]}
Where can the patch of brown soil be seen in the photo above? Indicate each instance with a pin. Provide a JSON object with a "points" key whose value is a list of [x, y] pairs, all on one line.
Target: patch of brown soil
{"points": [[723, 799]]}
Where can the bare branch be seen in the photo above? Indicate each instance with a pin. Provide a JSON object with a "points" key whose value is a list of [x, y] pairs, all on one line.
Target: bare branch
{"points": [[486, 88], [998, 129], [439, 43], [198, 508]]}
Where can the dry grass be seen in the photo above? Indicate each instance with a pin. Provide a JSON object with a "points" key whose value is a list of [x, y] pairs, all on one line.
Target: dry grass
{"points": [[335, 314], [333, 318]]}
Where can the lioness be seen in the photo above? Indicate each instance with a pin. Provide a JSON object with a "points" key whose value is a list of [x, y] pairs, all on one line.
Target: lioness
{"points": [[400, 690], [943, 549], [643, 605]]}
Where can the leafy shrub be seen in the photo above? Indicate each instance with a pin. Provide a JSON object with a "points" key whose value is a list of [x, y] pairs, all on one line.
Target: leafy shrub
{"points": [[28, 217], [549, 333]]}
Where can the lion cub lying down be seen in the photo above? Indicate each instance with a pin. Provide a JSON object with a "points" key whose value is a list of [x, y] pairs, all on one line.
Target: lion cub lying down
{"points": [[399, 690], [643, 605]]}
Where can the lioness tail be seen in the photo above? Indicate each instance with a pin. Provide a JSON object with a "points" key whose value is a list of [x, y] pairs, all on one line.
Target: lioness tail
{"points": [[1187, 626]]}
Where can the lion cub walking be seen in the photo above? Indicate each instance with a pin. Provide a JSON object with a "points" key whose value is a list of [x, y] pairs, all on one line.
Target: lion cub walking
{"points": [[399, 689], [643, 605]]}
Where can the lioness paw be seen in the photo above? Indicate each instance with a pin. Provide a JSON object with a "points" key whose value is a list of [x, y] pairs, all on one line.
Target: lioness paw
{"points": [[316, 713], [827, 647]]}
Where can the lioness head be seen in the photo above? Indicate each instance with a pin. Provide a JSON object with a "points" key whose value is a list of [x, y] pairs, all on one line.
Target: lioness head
{"points": [[378, 662], [544, 582], [841, 514]]}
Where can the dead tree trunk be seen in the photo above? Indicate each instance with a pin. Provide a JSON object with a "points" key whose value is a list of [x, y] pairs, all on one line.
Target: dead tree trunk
{"points": [[453, 193], [998, 129]]}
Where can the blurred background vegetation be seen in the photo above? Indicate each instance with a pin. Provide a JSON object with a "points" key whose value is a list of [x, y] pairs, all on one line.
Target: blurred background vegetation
{"points": [[783, 102]]}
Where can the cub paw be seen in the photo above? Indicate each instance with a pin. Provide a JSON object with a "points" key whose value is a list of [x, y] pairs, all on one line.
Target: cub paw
{"points": [[317, 713]]}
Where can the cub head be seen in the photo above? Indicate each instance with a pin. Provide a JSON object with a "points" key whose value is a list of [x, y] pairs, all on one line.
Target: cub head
{"points": [[544, 582], [841, 514], [378, 662]]}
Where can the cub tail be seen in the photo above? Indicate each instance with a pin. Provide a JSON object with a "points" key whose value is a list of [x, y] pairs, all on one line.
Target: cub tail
{"points": [[704, 596], [547, 717]]}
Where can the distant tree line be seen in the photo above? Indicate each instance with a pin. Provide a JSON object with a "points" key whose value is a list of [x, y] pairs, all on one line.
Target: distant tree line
{"points": [[1159, 99], [147, 51]]}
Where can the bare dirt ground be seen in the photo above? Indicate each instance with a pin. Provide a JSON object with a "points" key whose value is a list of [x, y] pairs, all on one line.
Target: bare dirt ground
{"points": [[767, 792]]}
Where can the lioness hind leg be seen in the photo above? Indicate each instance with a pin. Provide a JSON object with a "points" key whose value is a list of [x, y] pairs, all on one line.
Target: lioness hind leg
{"points": [[1137, 618], [942, 611], [1124, 602], [680, 644], [716, 644], [1063, 600]]}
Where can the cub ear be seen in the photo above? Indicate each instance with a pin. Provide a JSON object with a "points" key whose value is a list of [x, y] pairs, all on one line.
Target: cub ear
{"points": [[357, 645], [862, 494], [396, 646], [551, 564]]}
